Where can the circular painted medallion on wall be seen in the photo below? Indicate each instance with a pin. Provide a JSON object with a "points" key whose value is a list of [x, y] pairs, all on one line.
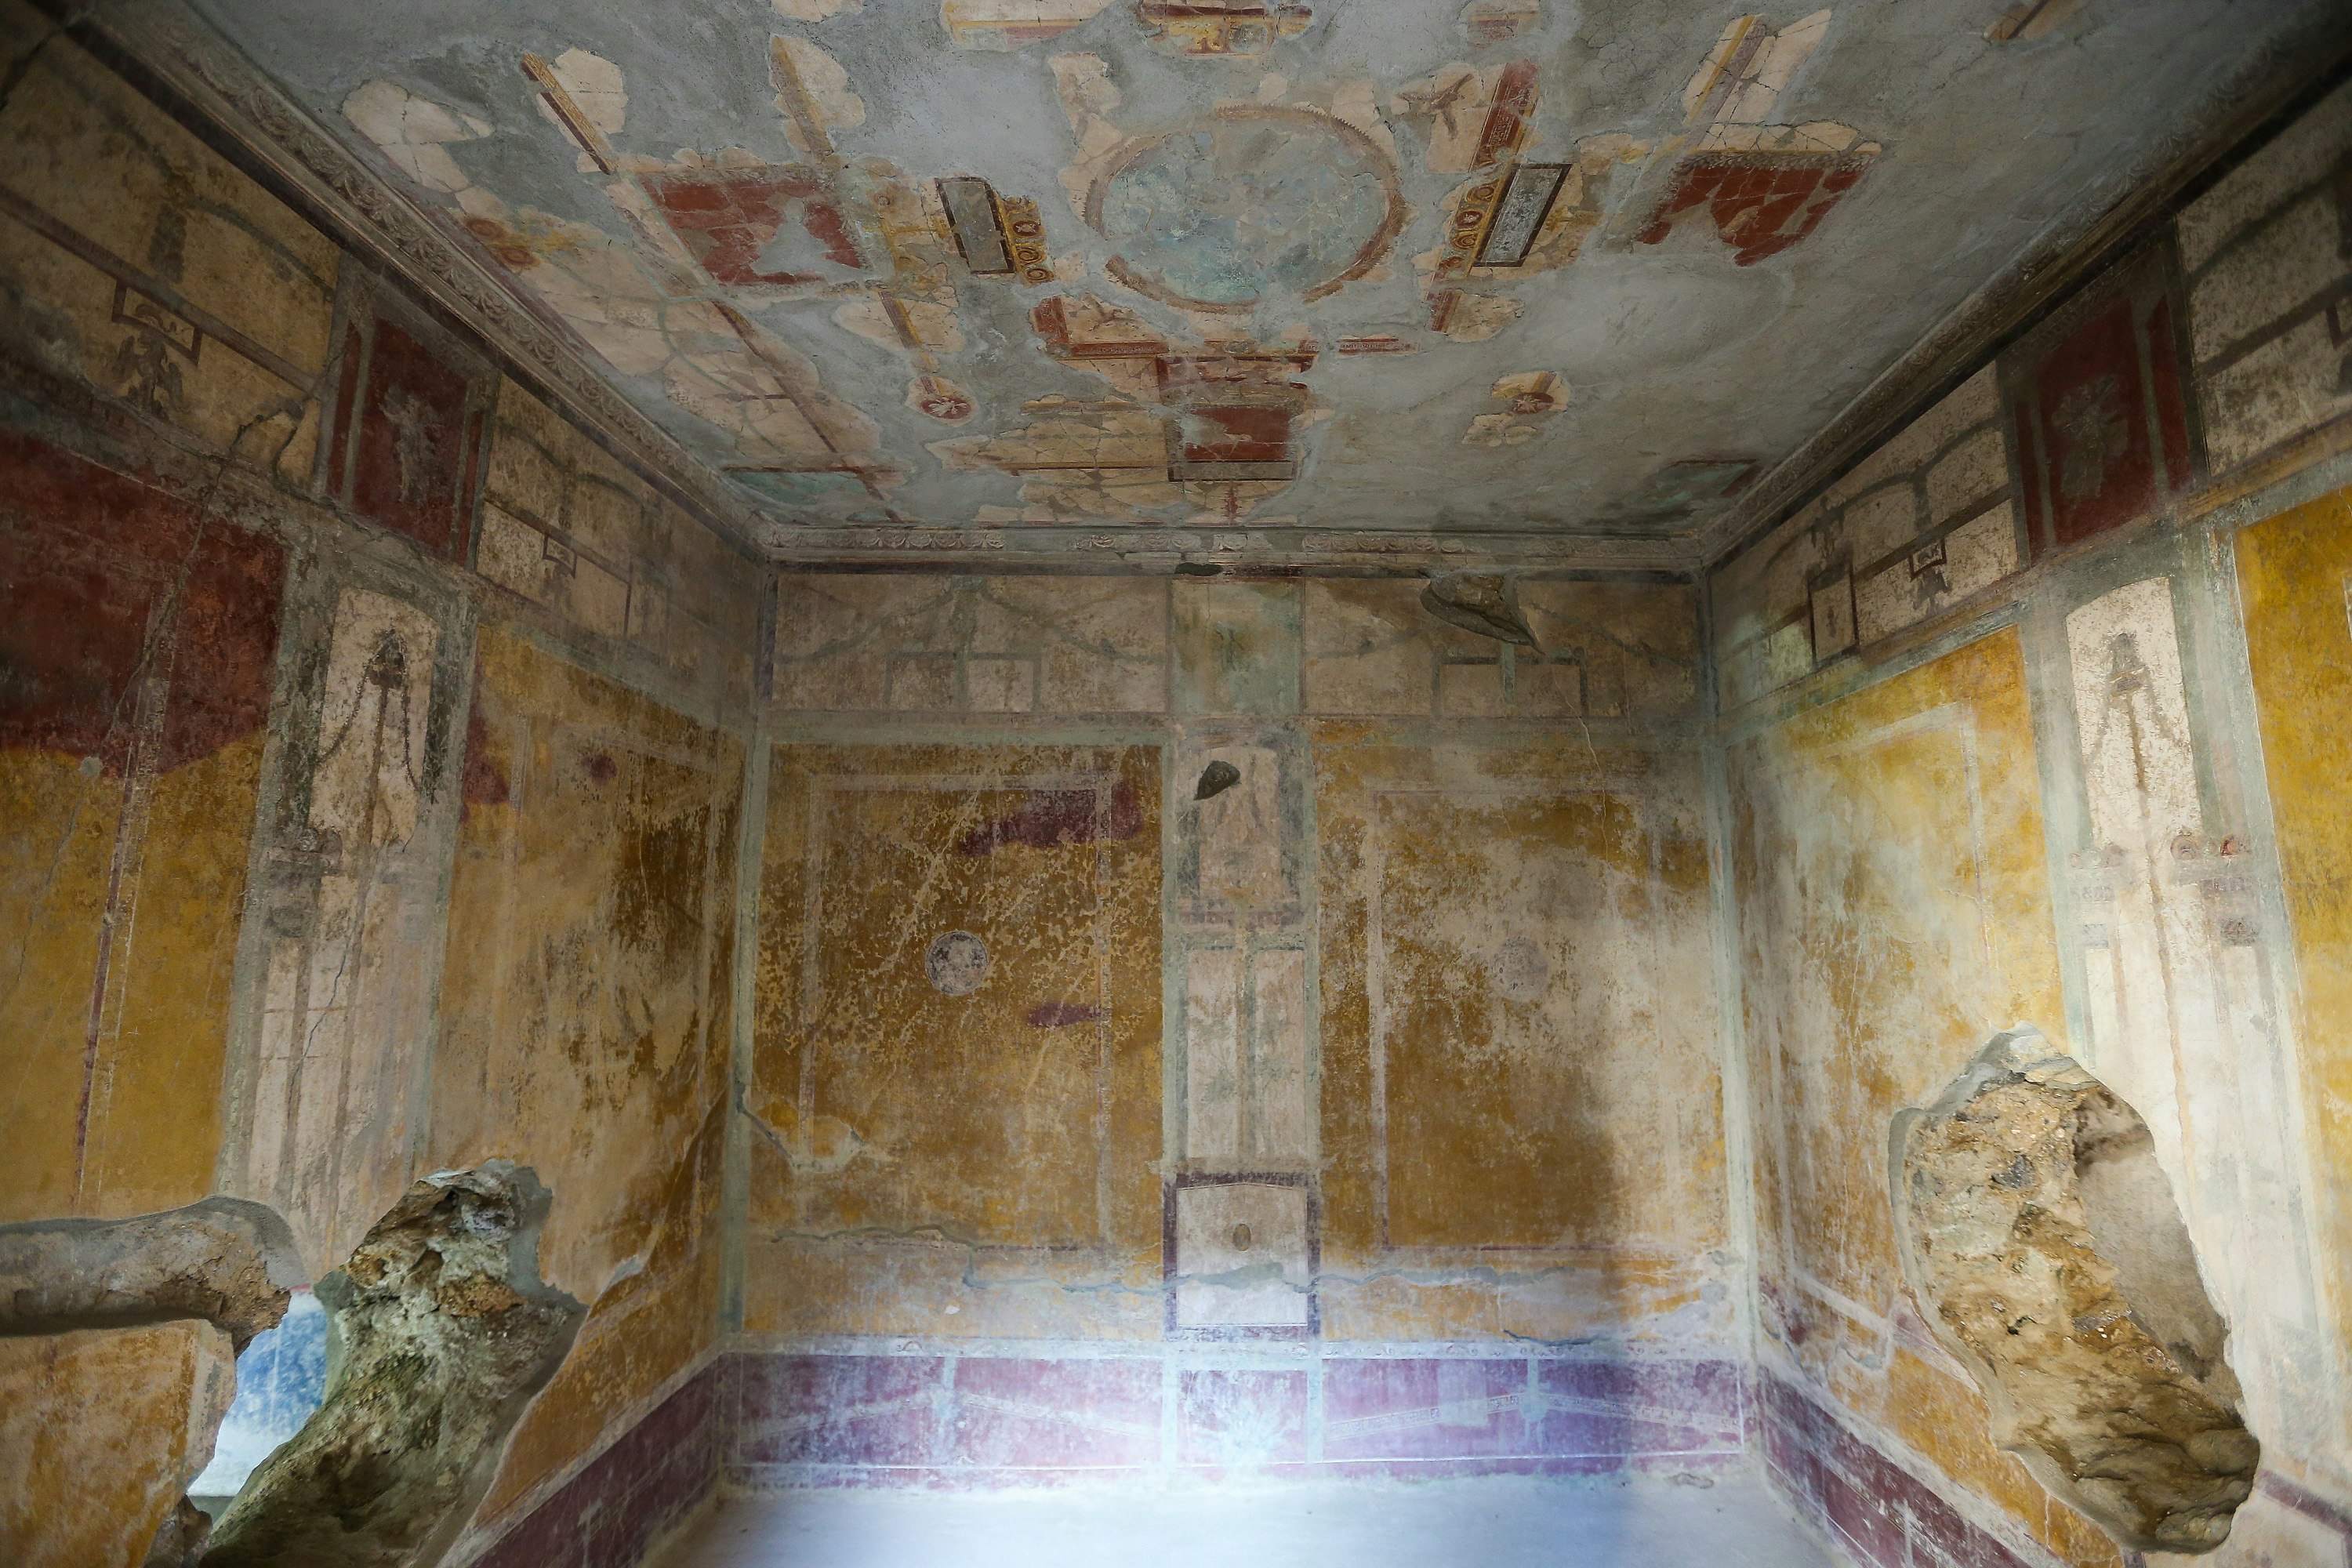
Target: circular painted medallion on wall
{"points": [[957, 962], [1249, 201], [1520, 970]]}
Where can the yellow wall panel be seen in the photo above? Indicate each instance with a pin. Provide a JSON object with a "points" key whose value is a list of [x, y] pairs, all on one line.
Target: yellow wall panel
{"points": [[584, 1013], [1895, 911], [139, 1405], [958, 1037], [1519, 1016], [2294, 573]]}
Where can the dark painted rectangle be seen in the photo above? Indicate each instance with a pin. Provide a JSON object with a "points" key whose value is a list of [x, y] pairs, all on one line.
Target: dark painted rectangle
{"points": [[2101, 427], [1519, 216], [411, 455], [971, 207]]}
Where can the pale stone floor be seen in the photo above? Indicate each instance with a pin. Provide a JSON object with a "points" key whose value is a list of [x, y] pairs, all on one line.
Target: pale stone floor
{"points": [[1477, 1524]]}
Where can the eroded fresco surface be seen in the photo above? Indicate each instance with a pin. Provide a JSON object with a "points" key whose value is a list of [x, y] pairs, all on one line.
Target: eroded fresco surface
{"points": [[955, 1094], [1214, 965], [1540, 1189], [1618, 651], [585, 1009], [935, 271], [1893, 911], [142, 264], [1536, 1281], [1522, 1116]]}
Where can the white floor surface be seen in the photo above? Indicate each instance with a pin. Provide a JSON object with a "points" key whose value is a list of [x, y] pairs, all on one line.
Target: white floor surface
{"points": [[1504, 1522]]}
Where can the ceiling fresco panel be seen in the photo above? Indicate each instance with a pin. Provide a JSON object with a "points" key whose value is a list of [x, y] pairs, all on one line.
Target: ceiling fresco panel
{"points": [[958, 270]]}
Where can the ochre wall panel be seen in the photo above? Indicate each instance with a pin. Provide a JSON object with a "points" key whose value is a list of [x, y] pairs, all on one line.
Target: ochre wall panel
{"points": [[140, 1404], [585, 1012], [138, 641], [1894, 910], [956, 1066], [2294, 574], [1520, 1100], [1498, 1108]]}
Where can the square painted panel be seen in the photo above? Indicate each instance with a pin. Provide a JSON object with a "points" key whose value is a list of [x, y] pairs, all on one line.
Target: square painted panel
{"points": [[2095, 397], [1242, 1256], [1237, 647]]}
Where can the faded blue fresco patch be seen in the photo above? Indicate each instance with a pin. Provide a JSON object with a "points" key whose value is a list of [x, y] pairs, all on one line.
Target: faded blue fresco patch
{"points": [[1224, 212]]}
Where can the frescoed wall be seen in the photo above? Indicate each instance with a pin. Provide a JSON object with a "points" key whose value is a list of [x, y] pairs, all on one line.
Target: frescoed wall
{"points": [[2035, 717], [585, 1012], [1894, 910], [1131, 996], [141, 623], [956, 1074], [1007, 1025], [2294, 574], [247, 609]]}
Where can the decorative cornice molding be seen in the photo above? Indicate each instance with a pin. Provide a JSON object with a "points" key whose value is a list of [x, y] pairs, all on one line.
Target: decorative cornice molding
{"points": [[1337, 551], [189, 57]]}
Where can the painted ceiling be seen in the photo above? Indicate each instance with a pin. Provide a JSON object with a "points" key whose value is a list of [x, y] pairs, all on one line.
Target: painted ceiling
{"points": [[1074, 271]]}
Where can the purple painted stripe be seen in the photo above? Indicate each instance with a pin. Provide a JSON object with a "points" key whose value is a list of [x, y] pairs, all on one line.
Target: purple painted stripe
{"points": [[1879, 1511], [637, 1490], [848, 1418]]}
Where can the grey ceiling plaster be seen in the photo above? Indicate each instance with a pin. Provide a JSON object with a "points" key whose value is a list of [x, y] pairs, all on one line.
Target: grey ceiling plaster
{"points": [[1662, 358]]}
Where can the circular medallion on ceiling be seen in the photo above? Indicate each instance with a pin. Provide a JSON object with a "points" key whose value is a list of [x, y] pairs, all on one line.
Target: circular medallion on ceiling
{"points": [[1248, 201]]}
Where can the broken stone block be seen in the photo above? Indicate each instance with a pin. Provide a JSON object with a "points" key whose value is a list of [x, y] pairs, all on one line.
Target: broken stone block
{"points": [[1486, 603], [439, 1332], [2038, 1232], [224, 1260]]}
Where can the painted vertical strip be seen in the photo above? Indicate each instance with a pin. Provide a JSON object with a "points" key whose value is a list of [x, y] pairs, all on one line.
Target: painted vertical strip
{"points": [[735, 1198], [108, 975], [1723, 926]]}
